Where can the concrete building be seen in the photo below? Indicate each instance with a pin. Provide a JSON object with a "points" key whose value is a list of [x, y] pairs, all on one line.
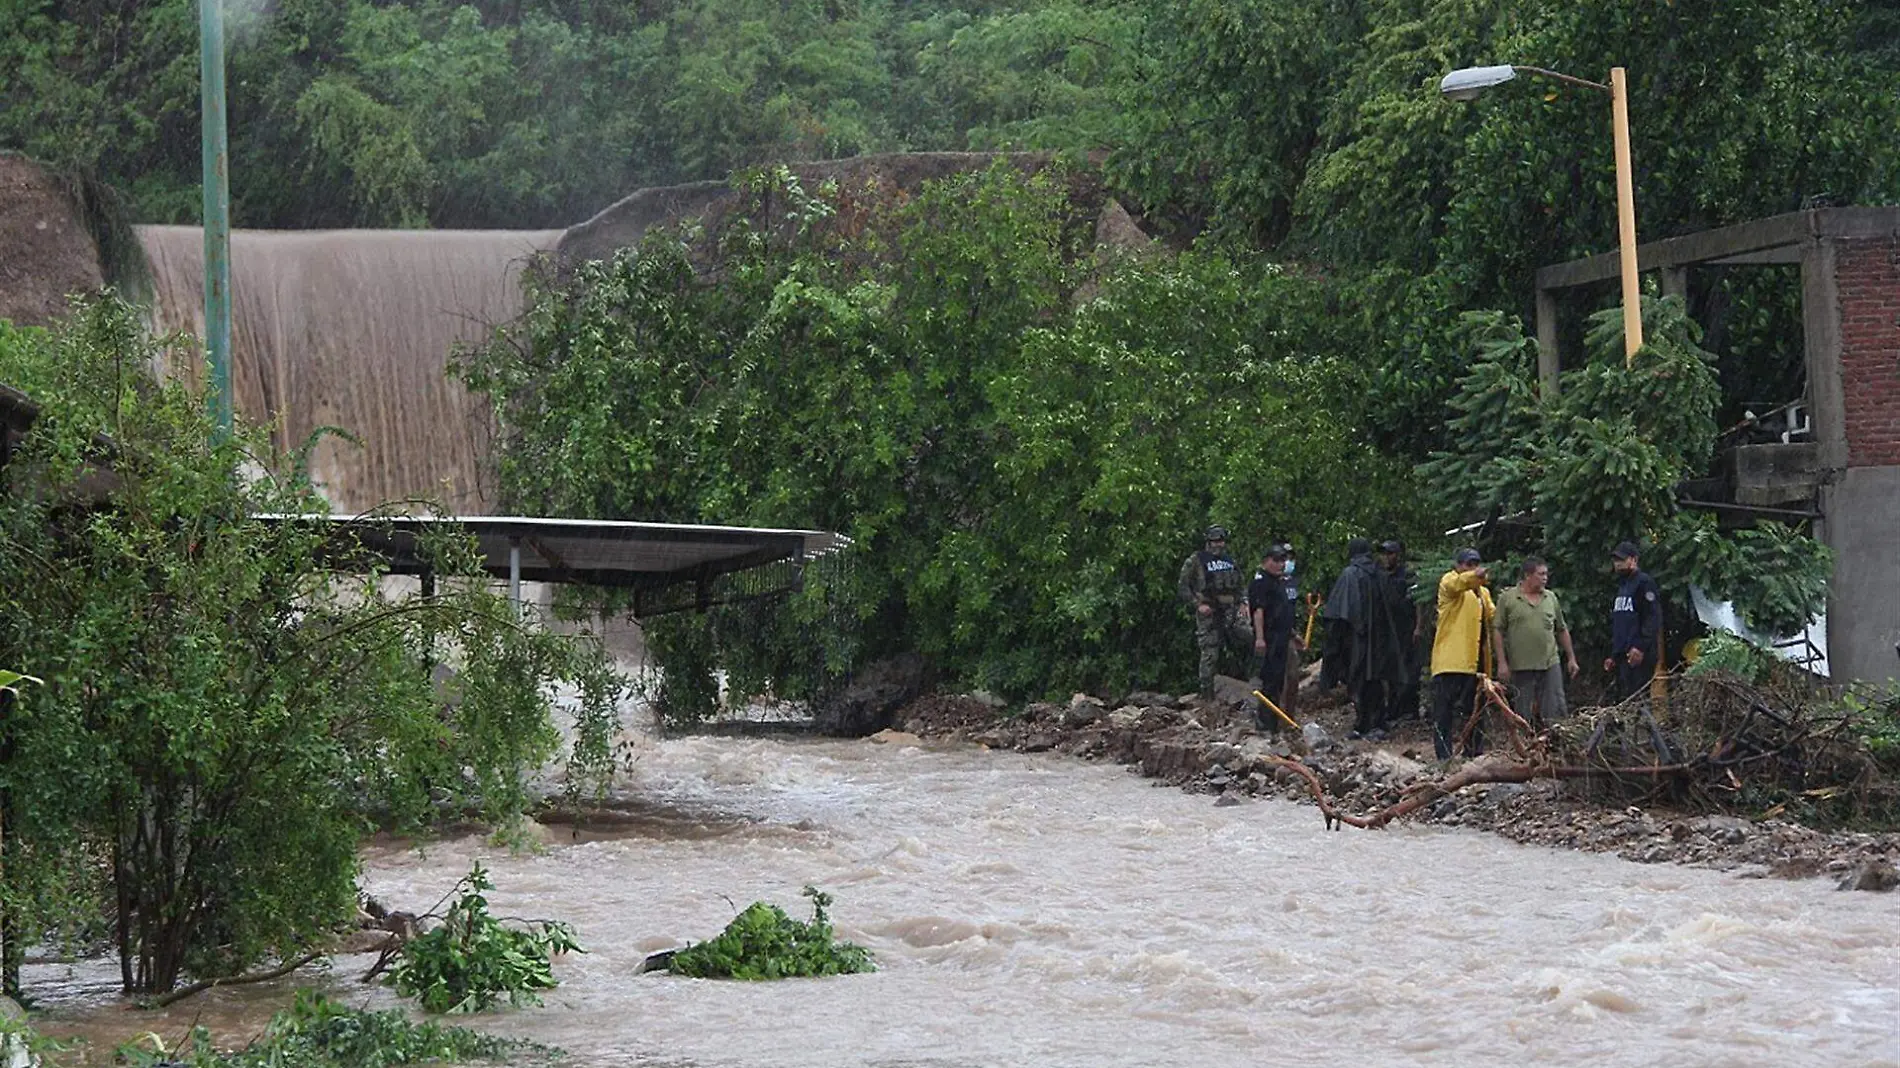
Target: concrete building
{"points": [[1840, 463]]}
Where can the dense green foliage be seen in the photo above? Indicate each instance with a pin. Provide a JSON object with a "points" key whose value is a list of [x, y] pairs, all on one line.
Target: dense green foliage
{"points": [[1876, 717], [471, 961], [538, 112], [316, 1032], [222, 716], [1732, 655], [1023, 438], [981, 405], [764, 943], [1600, 464], [1268, 118]]}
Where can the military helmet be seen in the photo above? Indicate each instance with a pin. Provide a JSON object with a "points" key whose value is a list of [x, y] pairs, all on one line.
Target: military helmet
{"points": [[1216, 533]]}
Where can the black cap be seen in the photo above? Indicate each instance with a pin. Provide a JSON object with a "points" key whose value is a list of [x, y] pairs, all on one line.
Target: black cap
{"points": [[1625, 550], [1467, 556], [1392, 546], [1279, 551], [1216, 533]]}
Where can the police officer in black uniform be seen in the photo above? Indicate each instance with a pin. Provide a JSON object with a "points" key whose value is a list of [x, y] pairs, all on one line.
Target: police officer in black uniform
{"points": [[1270, 608], [1635, 623]]}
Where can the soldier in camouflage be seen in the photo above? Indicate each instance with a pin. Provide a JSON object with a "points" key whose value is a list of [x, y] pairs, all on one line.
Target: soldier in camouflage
{"points": [[1214, 586]]}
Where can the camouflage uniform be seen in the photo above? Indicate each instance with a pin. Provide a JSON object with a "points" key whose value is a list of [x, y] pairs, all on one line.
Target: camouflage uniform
{"points": [[1213, 579]]}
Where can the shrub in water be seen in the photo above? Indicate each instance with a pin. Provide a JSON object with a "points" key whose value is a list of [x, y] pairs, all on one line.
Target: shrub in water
{"points": [[473, 960], [764, 943]]}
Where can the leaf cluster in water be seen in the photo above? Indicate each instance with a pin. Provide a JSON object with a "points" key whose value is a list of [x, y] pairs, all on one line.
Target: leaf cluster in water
{"points": [[473, 961], [316, 1032], [764, 943]]}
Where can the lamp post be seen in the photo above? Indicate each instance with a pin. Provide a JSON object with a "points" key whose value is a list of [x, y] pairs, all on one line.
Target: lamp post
{"points": [[217, 209], [1468, 83]]}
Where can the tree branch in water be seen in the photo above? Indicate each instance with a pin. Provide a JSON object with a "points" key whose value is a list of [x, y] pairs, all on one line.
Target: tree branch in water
{"points": [[203, 985]]}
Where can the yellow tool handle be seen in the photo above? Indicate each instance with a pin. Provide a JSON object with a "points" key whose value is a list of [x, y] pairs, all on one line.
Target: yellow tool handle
{"points": [[1276, 709]]}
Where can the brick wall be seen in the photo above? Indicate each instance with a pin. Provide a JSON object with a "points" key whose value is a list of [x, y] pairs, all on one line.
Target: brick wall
{"points": [[1868, 276]]}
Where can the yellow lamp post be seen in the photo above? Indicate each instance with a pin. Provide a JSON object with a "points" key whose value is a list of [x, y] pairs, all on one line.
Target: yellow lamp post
{"points": [[1466, 84]]}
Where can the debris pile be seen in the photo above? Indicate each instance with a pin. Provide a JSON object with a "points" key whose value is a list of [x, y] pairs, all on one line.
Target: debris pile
{"points": [[1723, 745]]}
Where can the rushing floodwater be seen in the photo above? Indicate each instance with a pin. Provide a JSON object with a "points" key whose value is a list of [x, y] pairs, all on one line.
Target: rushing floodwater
{"points": [[1033, 911]]}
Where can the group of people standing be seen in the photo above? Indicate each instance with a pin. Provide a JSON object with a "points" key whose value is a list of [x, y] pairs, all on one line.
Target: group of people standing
{"points": [[1230, 610], [1374, 622]]}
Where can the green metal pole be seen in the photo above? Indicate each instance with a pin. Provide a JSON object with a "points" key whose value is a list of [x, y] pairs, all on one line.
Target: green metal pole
{"points": [[217, 211]]}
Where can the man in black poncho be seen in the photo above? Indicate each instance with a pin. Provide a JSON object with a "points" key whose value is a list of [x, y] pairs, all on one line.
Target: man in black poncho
{"points": [[1401, 584], [1364, 649]]}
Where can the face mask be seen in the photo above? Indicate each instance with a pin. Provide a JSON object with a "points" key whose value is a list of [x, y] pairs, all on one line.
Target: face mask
{"points": [[1289, 568]]}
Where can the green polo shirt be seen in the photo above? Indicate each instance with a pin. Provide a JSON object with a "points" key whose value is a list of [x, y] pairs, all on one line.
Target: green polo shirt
{"points": [[1529, 630]]}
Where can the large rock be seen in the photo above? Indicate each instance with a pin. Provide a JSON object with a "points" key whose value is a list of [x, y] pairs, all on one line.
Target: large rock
{"points": [[868, 704], [1230, 692], [14, 1051], [1877, 876], [1083, 711], [1315, 736]]}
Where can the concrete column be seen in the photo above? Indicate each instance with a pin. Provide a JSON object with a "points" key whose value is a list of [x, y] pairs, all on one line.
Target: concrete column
{"points": [[1675, 282], [514, 574], [1549, 360], [1821, 349], [1860, 506]]}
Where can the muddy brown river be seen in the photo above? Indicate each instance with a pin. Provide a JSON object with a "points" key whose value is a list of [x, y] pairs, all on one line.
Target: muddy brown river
{"points": [[1029, 910]]}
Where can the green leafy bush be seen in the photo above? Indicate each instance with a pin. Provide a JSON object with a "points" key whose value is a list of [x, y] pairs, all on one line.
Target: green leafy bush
{"points": [[1875, 712], [1022, 436], [223, 713], [316, 1032], [764, 943], [1601, 462], [1737, 656], [472, 960]]}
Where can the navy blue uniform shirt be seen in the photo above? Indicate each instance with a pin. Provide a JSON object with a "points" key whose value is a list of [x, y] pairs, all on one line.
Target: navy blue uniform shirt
{"points": [[1635, 616]]}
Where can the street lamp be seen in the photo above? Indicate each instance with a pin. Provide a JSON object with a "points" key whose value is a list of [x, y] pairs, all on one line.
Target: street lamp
{"points": [[1468, 83], [217, 208]]}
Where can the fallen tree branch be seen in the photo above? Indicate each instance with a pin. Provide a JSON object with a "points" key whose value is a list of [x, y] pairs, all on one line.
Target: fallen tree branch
{"points": [[1518, 733], [1418, 795], [203, 985]]}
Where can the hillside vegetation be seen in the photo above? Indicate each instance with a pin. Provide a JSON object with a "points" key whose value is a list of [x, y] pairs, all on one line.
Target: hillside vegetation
{"points": [[1353, 244]]}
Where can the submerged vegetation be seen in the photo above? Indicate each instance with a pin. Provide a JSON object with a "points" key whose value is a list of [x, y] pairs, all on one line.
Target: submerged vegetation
{"points": [[316, 1032], [470, 961], [762, 942]]}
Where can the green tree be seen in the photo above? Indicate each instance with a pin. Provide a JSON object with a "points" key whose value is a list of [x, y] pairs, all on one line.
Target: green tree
{"points": [[1053, 76], [1021, 437], [1738, 110], [1600, 464], [1228, 105], [223, 716]]}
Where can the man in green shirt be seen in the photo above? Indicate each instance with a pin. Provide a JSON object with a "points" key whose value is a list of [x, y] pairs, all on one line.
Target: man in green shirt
{"points": [[1529, 629]]}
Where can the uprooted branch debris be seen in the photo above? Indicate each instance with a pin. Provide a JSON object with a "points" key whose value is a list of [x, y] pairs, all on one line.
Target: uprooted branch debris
{"points": [[1720, 742]]}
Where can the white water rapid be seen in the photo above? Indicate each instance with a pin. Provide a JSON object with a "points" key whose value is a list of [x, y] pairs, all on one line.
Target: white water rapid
{"points": [[1030, 910]]}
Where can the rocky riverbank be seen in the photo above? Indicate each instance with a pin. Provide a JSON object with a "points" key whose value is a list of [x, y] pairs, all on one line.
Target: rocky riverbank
{"points": [[1212, 747]]}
